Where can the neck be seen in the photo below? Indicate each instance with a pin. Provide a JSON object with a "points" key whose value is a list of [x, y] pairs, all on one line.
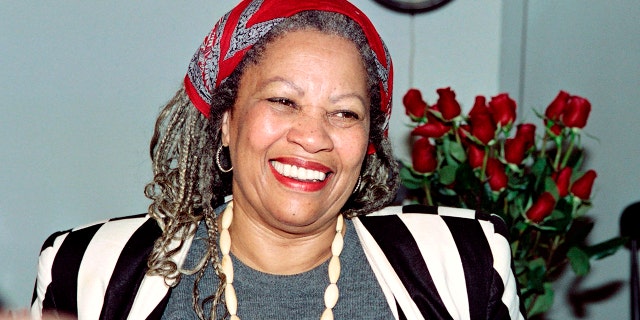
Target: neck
{"points": [[276, 251]]}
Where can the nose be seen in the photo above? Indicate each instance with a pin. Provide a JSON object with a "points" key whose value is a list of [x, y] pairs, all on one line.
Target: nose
{"points": [[311, 132]]}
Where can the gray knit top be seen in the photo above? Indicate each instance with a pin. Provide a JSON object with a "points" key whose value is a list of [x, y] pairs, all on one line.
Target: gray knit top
{"points": [[300, 296]]}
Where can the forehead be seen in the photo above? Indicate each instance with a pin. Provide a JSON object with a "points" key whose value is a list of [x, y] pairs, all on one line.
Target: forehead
{"points": [[309, 41]]}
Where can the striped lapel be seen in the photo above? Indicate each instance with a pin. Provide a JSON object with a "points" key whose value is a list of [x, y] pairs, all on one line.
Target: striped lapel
{"points": [[153, 293], [397, 256]]}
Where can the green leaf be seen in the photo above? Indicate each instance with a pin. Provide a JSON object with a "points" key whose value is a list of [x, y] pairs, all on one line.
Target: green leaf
{"points": [[558, 221], [409, 179], [579, 261], [448, 174], [466, 179], [551, 187], [537, 263], [541, 303], [521, 226], [457, 151], [606, 248], [539, 166], [536, 275], [582, 209], [448, 192], [540, 170]]}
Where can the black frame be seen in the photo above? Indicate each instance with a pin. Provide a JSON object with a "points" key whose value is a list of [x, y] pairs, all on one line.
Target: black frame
{"points": [[413, 6]]}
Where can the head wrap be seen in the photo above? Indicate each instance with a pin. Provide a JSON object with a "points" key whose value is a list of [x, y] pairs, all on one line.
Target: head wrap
{"points": [[237, 31]]}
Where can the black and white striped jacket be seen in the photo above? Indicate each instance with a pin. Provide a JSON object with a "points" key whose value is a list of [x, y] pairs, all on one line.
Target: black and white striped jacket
{"points": [[431, 263]]}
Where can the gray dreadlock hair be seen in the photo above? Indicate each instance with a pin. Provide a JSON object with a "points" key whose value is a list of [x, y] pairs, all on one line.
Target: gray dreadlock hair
{"points": [[188, 186]]}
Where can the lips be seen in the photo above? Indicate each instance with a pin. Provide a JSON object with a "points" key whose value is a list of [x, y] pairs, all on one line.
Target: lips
{"points": [[302, 175]]}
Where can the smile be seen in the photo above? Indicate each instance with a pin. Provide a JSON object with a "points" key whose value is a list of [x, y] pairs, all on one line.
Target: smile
{"points": [[298, 173]]}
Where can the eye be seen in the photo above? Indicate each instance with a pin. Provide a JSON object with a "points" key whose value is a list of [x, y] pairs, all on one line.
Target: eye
{"points": [[282, 101], [345, 118], [346, 115]]}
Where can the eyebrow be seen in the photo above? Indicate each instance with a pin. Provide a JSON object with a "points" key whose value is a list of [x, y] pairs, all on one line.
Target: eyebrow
{"points": [[349, 95], [300, 91], [285, 81]]}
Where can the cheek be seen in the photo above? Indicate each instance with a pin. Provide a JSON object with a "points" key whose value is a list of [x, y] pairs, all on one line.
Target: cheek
{"points": [[259, 129], [352, 147]]}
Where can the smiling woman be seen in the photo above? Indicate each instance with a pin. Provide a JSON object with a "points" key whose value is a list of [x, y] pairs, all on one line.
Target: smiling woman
{"points": [[266, 164]]}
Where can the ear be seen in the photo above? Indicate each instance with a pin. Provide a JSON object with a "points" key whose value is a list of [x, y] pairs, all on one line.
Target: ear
{"points": [[224, 128]]}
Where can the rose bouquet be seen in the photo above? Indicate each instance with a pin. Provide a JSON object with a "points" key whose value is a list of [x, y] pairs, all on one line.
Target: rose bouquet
{"points": [[534, 181]]}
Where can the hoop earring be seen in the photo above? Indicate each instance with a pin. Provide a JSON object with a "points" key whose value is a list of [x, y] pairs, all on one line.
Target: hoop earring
{"points": [[218, 161], [355, 190]]}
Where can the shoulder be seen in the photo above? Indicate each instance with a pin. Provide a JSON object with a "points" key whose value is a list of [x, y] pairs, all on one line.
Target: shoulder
{"points": [[100, 232], [84, 259], [442, 235], [427, 218], [461, 258], [99, 241]]}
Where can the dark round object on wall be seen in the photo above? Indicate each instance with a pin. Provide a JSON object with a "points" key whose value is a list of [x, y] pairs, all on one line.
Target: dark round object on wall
{"points": [[630, 222], [413, 6]]}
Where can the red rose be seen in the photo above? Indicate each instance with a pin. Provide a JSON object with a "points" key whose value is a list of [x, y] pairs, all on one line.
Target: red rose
{"points": [[515, 149], [581, 188], [475, 154], [526, 137], [414, 106], [481, 124], [502, 109], [554, 129], [447, 104], [479, 106], [497, 177], [542, 208], [563, 180], [434, 128], [527, 132], [555, 109], [423, 156], [576, 112], [482, 127], [462, 131]]}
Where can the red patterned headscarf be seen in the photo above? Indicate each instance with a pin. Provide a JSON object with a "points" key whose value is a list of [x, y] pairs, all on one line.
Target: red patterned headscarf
{"points": [[237, 31]]}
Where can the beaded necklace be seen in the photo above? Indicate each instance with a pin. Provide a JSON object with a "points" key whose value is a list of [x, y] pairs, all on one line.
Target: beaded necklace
{"points": [[331, 294]]}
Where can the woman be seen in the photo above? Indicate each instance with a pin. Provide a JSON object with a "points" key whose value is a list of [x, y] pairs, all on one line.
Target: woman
{"points": [[277, 136]]}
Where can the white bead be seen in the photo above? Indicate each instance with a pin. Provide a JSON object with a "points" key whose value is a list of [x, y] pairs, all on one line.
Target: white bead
{"points": [[331, 295], [338, 243], [227, 268], [327, 315], [340, 223], [227, 217], [230, 299], [234, 317], [225, 242], [334, 269]]}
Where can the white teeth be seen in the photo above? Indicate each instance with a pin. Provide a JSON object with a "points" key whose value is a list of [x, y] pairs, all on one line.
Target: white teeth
{"points": [[295, 172]]}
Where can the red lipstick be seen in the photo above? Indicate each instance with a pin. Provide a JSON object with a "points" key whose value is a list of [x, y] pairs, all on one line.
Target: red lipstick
{"points": [[302, 185]]}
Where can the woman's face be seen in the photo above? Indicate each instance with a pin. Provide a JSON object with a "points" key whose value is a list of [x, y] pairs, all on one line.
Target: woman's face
{"points": [[298, 132]]}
